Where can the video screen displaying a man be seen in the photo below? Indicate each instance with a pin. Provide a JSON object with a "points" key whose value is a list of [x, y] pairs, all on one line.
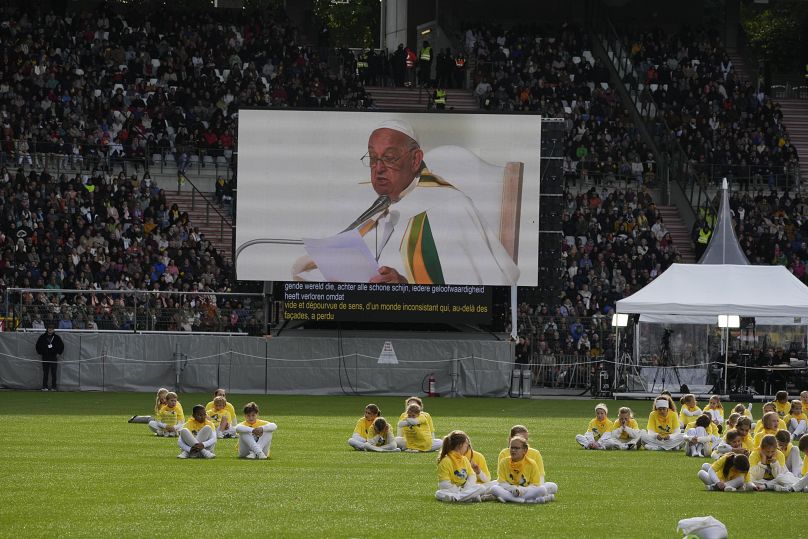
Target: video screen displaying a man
{"points": [[421, 229]]}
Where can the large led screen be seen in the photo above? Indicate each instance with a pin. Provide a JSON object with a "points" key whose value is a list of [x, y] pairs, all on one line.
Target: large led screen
{"points": [[380, 197]]}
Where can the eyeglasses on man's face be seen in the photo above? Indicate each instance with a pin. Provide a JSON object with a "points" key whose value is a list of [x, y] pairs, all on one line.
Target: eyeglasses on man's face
{"points": [[388, 160]]}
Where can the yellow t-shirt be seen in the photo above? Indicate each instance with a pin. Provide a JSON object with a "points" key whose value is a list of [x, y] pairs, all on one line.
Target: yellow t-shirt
{"points": [[228, 407], [195, 426], [663, 425], [522, 473], [171, 416], [418, 436], [478, 459], [799, 417], [685, 418], [718, 466], [755, 457], [782, 408], [748, 443], [454, 467], [632, 424], [364, 428], [759, 436], [532, 454], [599, 428], [425, 415], [805, 466], [781, 425], [217, 416]]}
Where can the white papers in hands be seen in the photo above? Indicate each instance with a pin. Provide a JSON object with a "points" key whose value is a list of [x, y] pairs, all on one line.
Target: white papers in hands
{"points": [[342, 258]]}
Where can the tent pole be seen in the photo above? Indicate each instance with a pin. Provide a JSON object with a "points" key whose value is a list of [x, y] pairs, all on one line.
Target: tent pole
{"points": [[726, 358]]}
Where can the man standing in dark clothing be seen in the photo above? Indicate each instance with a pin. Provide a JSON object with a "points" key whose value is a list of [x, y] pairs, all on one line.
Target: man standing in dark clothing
{"points": [[49, 346]]}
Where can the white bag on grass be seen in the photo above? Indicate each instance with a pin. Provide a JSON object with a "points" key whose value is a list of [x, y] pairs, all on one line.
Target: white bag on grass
{"points": [[707, 527]]}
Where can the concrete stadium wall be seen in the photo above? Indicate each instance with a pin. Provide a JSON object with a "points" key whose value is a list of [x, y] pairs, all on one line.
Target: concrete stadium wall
{"points": [[313, 365]]}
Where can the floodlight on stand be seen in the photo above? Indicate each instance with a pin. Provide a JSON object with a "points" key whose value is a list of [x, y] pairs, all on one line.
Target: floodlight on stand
{"points": [[619, 320], [729, 321]]}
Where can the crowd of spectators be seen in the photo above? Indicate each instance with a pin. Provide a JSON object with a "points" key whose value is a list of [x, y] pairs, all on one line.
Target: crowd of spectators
{"points": [[553, 71], [107, 86], [726, 124]]}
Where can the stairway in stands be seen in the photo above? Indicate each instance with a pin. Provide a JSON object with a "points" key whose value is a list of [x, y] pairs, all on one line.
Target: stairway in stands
{"points": [[404, 99], [202, 214], [795, 118], [679, 233]]}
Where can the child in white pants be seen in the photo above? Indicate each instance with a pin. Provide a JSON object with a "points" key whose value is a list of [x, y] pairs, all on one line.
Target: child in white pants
{"points": [[363, 427], [768, 467], [254, 434], [457, 481], [802, 484], [169, 417], [518, 477], [598, 428], [197, 437], [625, 433], [662, 433], [796, 422], [698, 442], [381, 438], [791, 452], [222, 417], [729, 473]]}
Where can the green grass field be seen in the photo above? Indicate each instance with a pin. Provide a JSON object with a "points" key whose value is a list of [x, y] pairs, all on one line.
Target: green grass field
{"points": [[73, 466]]}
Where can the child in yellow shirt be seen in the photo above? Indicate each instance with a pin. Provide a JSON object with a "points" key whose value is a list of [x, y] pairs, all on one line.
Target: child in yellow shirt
{"points": [[380, 437], [159, 400], [430, 426], [232, 420], [716, 411], [415, 432], [802, 484], [221, 417], [781, 404], [169, 417], [769, 421], [625, 432], [767, 466], [796, 421], [729, 473], [197, 437], [690, 410], [364, 424], [698, 441], [790, 451], [662, 432], [254, 434], [599, 426], [518, 477], [457, 481]]}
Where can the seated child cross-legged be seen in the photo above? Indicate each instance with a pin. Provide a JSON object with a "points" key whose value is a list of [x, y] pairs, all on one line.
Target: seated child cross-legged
{"points": [[596, 429], [233, 419], [532, 453], [254, 434], [796, 421], [222, 418], [732, 443], [729, 473], [802, 484], [698, 441], [457, 481], [197, 437], [767, 466], [362, 430], [518, 478], [662, 432], [169, 418], [414, 432], [380, 437], [791, 452], [625, 433]]}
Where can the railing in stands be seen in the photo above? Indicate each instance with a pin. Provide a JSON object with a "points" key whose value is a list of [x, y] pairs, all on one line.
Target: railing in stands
{"points": [[136, 310], [224, 220]]}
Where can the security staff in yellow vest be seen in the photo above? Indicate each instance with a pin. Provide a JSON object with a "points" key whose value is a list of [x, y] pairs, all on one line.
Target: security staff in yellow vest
{"points": [[425, 65], [362, 66], [703, 232], [440, 99]]}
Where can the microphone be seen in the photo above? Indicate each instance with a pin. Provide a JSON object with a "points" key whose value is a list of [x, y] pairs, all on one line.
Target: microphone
{"points": [[381, 204]]}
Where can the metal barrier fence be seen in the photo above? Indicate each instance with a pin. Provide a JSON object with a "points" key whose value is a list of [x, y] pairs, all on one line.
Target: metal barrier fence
{"points": [[136, 311]]}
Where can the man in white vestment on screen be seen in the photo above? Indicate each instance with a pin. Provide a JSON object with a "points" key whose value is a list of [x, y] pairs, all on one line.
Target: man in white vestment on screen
{"points": [[429, 232]]}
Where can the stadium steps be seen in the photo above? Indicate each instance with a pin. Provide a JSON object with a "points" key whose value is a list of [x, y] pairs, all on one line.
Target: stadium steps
{"points": [[742, 71], [795, 117], [416, 100], [203, 215], [679, 233]]}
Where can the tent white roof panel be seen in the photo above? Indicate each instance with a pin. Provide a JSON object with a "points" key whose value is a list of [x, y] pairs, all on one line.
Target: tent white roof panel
{"points": [[708, 289]]}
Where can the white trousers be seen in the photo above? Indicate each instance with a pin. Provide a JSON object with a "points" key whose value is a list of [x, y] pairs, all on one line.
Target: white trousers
{"points": [[247, 443], [586, 439], [797, 428], [709, 477], [671, 444], [187, 440], [157, 428], [608, 441], [786, 479], [357, 442], [468, 493], [230, 431], [801, 485], [529, 494], [401, 443]]}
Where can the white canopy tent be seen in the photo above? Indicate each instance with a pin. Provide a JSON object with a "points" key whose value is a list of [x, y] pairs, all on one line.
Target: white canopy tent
{"points": [[709, 290], [698, 293]]}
